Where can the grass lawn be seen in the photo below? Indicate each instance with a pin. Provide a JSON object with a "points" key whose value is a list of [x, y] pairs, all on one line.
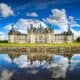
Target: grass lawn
{"points": [[35, 45]]}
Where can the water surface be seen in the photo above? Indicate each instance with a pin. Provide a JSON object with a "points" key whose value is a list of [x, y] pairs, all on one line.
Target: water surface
{"points": [[20, 68]]}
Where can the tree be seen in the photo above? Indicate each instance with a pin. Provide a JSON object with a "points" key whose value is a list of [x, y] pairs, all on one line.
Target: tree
{"points": [[78, 39]]}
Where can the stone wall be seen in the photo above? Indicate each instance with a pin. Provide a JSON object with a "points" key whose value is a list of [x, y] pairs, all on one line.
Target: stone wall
{"points": [[53, 50]]}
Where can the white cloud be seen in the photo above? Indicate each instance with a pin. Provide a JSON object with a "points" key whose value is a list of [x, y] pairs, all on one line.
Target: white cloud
{"points": [[3, 36], [59, 66], [23, 31], [33, 14], [75, 58], [5, 57], [59, 18], [9, 26], [58, 31], [75, 25], [22, 61], [23, 24], [1, 33], [75, 62], [6, 75], [5, 10], [76, 33], [73, 22]]}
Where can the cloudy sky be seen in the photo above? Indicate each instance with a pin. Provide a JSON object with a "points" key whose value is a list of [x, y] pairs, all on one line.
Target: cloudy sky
{"points": [[57, 14]]}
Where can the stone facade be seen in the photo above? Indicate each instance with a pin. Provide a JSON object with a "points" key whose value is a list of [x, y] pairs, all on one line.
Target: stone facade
{"points": [[40, 35]]}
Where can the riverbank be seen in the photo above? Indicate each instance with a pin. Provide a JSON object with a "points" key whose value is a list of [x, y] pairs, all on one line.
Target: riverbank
{"points": [[40, 51], [43, 45]]}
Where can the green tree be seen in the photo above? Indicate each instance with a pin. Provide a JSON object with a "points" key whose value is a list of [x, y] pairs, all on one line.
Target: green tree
{"points": [[78, 39]]}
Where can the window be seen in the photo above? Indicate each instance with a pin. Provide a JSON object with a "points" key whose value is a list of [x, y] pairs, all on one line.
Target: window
{"points": [[41, 38]]}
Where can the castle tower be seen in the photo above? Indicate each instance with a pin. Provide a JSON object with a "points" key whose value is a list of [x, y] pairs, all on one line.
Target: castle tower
{"points": [[41, 27], [69, 30], [50, 35], [12, 30], [12, 34], [31, 35], [31, 28], [70, 36]]}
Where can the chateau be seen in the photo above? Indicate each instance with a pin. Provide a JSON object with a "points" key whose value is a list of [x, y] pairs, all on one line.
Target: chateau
{"points": [[40, 35]]}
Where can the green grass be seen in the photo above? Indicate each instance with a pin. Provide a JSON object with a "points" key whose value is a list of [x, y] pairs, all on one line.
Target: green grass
{"points": [[35, 45]]}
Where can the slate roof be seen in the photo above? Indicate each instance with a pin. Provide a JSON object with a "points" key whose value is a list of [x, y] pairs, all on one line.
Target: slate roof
{"points": [[14, 32]]}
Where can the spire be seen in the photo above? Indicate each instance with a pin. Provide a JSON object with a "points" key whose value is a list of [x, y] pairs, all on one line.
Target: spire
{"points": [[69, 30], [12, 26], [52, 27], [41, 26], [31, 26], [69, 27], [27, 29], [12, 31]]}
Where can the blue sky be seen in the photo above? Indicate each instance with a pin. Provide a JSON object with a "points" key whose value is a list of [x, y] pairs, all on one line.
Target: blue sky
{"points": [[53, 13]]}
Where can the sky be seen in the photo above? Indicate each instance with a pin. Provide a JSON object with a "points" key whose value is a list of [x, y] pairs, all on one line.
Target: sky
{"points": [[56, 14]]}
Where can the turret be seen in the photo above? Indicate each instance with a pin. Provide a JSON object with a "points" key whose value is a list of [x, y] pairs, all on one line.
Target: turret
{"points": [[12, 31], [12, 34], [31, 28], [41, 27], [69, 30]]}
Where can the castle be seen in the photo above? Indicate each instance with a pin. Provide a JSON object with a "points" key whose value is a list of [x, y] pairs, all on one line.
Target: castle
{"points": [[40, 35]]}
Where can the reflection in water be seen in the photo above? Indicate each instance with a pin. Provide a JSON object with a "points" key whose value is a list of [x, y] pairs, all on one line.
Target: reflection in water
{"points": [[5, 57], [6, 75], [59, 66], [21, 61], [20, 68]]}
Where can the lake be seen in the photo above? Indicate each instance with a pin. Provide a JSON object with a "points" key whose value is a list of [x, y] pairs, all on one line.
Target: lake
{"points": [[21, 68]]}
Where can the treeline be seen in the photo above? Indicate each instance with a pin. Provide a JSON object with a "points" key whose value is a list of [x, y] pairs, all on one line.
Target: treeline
{"points": [[77, 39], [3, 41]]}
